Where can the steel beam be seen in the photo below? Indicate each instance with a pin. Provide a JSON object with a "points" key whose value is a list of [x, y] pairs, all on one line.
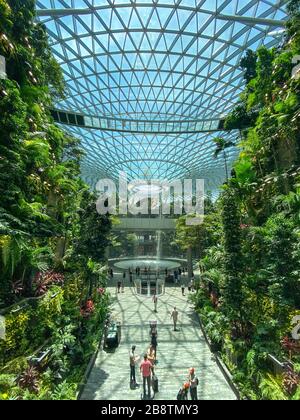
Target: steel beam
{"points": [[236, 18]]}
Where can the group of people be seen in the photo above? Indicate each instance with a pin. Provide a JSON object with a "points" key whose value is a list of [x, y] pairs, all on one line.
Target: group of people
{"points": [[174, 313], [147, 366], [191, 287], [147, 370]]}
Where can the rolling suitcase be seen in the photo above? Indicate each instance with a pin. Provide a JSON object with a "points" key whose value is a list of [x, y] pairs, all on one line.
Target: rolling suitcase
{"points": [[155, 384]]}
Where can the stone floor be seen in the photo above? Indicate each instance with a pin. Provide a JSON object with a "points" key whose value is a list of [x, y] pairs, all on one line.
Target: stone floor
{"points": [[177, 351]]}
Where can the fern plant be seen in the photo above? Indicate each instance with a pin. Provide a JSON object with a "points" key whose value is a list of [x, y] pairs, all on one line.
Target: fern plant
{"points": [[271, 389]]}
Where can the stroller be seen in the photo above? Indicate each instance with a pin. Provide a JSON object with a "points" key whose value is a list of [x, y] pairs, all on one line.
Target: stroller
{"points": [[183, 392]]}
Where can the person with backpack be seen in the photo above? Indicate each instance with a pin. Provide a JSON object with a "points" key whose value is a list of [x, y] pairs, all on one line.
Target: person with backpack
{"points": [[193, 382]]}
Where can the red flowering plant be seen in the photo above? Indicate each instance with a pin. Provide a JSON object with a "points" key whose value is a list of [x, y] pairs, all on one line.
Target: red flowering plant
{"points": [[291, 381], [290, 345], [17, 287], [87, 309], [43, 280], [244, 226]]}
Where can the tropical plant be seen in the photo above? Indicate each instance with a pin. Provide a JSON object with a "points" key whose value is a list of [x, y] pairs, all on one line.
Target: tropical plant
{"points": [[29, 380], [291, 381], [271, 389], [42, 281], [221, 146]]}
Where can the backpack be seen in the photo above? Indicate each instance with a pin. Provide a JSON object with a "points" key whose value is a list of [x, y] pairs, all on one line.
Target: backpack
{"points": [[197, 381]]}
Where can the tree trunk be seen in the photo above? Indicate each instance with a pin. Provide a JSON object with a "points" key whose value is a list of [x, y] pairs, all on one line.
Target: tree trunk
{"points": [[226, 166], [60, 249]]}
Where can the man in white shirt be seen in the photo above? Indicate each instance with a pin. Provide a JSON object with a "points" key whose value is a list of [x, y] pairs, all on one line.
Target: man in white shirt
{"points": [[133, 361]]}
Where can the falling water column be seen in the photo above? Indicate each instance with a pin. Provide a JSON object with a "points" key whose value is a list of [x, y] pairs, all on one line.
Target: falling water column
{"points": [[190, 262]]}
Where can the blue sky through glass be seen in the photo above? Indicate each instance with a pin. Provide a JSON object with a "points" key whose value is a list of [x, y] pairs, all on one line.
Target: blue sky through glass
{"points": [[159, 60]]}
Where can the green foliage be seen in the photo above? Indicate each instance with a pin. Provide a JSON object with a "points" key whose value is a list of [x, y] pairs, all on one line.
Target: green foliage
{"points": [[249, 64], [221, 146], [271, 389], [202, 236], [249, 280], [47, 215], [232, 291], [64, 391], [94, 229]]}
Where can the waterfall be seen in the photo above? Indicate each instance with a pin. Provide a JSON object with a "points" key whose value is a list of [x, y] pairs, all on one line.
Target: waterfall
{"points": [[158, 253]]}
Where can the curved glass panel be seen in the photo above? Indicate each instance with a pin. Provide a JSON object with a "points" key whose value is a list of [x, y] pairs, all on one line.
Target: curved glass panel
{"points": [[155, 62]]}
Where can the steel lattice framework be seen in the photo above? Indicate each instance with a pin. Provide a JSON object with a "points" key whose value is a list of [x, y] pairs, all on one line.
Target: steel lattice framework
{"points": [[166, 63]]}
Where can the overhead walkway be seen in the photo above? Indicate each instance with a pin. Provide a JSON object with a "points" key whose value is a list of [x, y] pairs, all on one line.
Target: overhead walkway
{"points": [[147, 224]]}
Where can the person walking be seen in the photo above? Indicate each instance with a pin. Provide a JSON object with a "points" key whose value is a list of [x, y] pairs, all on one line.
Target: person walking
{"points": [[182, 289], [153, 335], [119, 286], [151, 356], [146, 369], [176, 276], [155, 301], [193, 381], [133, 361], [192, 285], [179, 278], [174, 316]]}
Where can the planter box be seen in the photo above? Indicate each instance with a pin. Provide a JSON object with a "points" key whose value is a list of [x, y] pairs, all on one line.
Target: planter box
{"points": [[41, 359], [113, 336], [278, 367]]}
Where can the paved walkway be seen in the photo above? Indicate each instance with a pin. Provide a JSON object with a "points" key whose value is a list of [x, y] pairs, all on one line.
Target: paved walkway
{"points": [[177, 351]]}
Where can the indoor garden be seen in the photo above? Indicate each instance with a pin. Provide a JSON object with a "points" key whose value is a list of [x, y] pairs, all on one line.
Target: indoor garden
{"points": [[91, 92]]}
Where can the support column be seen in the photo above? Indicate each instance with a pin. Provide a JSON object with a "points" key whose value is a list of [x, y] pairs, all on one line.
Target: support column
{"points": [[107, 253], [190, 262]]}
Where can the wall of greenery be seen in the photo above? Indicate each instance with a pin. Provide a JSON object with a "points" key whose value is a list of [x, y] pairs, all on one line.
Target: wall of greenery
{"points": [[250, 289], [52, 241]]}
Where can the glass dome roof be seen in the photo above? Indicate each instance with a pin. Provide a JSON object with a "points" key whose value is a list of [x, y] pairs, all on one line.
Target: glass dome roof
{"points": [[151, 64]]}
